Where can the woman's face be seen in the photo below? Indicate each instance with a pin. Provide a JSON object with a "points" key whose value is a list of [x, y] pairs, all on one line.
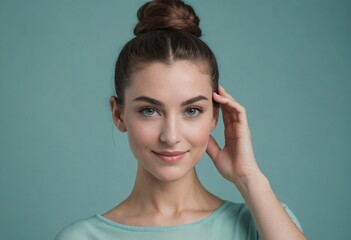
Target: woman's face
{"points": [[168, 115]]}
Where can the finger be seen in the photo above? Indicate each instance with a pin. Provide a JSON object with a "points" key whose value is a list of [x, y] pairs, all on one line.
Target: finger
{"points": [[223, 92], [226, 117], [212, 148], [235, 111], [226, 100]]}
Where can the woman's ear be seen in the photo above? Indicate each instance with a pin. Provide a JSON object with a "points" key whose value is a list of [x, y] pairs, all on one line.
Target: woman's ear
{"points": [[117, 114]]}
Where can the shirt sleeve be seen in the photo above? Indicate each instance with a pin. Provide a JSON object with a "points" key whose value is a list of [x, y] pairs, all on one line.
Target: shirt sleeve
{"points": [[291, 215], [76, 230]]}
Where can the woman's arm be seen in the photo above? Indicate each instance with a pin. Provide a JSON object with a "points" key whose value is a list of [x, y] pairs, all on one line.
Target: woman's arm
{"points": [[271, 219], [236, 162]]}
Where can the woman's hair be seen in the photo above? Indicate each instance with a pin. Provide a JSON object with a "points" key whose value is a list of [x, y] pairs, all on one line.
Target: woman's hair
{"points": [[168, 30]]}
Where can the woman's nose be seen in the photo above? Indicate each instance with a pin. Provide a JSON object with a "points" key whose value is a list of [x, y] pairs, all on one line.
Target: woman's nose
{"points": [[170, 133]]}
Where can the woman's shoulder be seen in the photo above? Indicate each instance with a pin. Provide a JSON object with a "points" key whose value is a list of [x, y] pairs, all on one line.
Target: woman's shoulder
{"points": [[80, 229], [235, 208], [235, 212]]}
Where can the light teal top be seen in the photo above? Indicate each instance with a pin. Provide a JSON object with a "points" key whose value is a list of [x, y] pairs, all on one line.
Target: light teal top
{"points": [[230, 221]]}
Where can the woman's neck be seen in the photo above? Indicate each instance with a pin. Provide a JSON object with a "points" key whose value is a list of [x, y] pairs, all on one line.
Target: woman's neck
{"points": [[156, 203], [169, 198]]}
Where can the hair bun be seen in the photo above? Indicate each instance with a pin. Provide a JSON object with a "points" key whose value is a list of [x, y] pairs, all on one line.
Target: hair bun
{"points": [[167, 14]]}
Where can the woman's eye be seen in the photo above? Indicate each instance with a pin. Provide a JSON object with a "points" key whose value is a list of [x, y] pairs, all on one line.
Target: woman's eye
{"points": [[192, 112], [149, 112]]}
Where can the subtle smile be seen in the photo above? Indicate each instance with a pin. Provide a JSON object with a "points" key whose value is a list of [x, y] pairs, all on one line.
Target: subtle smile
{"points": [[170, 156]]}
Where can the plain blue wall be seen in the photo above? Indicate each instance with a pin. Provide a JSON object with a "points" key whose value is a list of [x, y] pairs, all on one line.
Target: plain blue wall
{"points": [[287, 62]]}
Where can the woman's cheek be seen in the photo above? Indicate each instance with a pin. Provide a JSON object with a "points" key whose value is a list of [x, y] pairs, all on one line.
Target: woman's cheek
{"points": [[142, 133], [198, 134]]}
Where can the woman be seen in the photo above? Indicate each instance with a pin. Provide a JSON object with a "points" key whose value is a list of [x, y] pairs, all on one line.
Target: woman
{"points": [[167, 100]]}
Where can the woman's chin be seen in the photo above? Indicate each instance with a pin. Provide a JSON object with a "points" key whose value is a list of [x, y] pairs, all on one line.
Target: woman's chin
{"points": [[171, 175]]}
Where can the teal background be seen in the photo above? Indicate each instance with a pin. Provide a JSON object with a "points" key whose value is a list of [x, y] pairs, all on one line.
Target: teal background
{"points": [[61, 158]]}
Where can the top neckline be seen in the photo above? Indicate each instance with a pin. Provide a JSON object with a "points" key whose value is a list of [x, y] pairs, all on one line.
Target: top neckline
{"points": [[162, 228]]}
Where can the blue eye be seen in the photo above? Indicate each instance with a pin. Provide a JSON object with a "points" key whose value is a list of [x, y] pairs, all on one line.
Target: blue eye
{"points": [[148, 112], [192, 112]]}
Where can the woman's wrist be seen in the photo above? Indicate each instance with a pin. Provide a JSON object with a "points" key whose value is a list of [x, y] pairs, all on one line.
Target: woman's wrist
{"points": [[252, 184], [271, 219]]}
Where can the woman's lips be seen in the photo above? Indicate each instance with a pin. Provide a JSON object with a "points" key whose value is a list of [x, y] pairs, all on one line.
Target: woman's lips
{"points": [[170, 157]]}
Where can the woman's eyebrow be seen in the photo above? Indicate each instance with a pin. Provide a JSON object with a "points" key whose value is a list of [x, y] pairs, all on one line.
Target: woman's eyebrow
{"points": [[149, 100], [194, 99], [158, 103]]}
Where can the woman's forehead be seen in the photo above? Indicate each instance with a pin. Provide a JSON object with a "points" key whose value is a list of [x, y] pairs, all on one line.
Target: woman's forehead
{"points": [[178, 81]]}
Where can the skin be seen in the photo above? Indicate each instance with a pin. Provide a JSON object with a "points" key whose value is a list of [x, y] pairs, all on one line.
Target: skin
{"points": [[169, 124]]}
